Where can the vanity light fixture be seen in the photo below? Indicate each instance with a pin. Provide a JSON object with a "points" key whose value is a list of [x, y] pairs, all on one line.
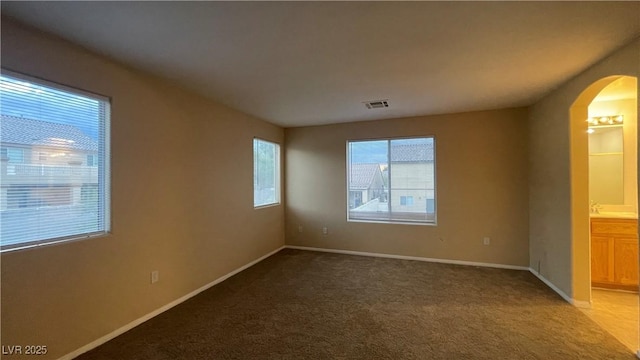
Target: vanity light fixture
{"points": [[605, 120]]}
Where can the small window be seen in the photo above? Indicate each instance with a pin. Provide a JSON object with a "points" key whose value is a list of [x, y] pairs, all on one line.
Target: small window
{"points": [[266, 173], [406, 200], [12, 155], [92, 160], [392, 180], [58, 199]]}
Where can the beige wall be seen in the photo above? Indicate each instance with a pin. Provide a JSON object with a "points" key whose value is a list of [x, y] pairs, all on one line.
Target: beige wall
{"points": [[558, 208], [481, 177], [182, 203]]}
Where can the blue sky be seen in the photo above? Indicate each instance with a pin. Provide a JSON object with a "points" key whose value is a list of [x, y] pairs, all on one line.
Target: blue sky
{"points": [[369, 152]]}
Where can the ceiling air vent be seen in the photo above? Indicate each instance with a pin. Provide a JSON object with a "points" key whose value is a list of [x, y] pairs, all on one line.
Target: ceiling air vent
{"points": [[377, 104]]}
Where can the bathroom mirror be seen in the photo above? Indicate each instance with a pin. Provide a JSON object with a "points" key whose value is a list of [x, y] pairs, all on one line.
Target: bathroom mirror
{"points": [[606, 165]]}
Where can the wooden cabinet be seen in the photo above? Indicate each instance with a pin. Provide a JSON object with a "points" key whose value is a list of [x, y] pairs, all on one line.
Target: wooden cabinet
{"points": [[625, 261], [614, 253], [601, 262]]}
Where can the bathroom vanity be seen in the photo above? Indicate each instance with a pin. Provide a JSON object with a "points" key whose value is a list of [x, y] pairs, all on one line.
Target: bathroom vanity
{"points": [[614, 251]]}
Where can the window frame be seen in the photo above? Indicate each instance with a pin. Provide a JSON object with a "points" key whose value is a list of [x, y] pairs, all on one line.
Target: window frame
{"points": [[389, 220], [277, 174], [104, 172]]}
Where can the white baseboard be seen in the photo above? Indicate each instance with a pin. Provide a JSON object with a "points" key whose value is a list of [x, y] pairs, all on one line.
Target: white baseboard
{"points": [[576, 303], [157, 312], [581, 304], [403, 257]]}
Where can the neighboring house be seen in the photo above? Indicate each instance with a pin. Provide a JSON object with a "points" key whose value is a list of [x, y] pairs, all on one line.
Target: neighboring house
{"points": [[365, 184], [412, 168], [45, 164]]}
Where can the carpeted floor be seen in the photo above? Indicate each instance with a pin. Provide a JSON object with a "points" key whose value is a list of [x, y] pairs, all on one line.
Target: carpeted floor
{"points": [[310, 305]]}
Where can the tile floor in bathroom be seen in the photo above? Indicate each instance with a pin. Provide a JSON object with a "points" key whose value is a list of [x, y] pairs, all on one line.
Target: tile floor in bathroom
{"points": [[616, 312]]}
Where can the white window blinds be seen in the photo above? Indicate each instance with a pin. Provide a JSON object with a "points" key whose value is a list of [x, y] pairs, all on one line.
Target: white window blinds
{"points": [[54, 179]]}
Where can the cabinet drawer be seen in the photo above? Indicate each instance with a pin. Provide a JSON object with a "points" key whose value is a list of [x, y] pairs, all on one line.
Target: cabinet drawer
{"points": [[614, 226]]}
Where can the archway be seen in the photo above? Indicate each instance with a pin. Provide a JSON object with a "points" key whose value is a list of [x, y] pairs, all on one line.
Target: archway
{"points": [[580, 200]]}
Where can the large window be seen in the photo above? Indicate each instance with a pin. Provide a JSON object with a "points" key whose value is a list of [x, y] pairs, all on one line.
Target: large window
{"points": [[49, 189], [392, 180], [266, 173]]}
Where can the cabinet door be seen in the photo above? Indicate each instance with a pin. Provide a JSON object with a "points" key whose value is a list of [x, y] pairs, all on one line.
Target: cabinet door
{"points": [[625, 261], [601, 259]]}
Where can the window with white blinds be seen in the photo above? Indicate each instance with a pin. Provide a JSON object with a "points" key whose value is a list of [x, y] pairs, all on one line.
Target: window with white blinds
{"points": [[266, 173], [54, 158], [392, 180]]}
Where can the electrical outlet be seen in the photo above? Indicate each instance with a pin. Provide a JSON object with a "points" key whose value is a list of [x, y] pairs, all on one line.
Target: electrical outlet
{"points": [[299, 228], [325, 231], [155, 276], [486, 241]]}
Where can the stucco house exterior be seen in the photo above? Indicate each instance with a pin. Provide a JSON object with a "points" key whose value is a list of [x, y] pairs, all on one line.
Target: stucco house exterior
{"points": [[45, 164], [412, 178]]}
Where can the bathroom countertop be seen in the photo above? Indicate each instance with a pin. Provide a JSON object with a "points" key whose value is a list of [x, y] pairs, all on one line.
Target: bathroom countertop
{"points": [[615, 215]]}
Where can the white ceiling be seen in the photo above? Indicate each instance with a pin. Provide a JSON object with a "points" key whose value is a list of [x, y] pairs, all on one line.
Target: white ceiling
{"points": [[310, 63]]}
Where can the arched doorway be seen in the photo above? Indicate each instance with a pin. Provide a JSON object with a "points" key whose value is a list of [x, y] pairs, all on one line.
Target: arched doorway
{"points": [[580, 190]]}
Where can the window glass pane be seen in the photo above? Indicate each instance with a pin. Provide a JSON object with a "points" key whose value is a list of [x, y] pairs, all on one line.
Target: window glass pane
{"points": [[47, 137], [92, 160], [368, 179], [14, 155], [266, 173], [392, 180]]}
